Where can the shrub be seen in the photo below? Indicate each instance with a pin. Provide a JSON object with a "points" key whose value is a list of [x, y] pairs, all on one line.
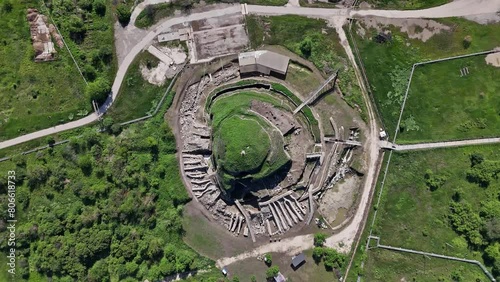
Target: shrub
{"points": [[319, 239], [98, 90], [272, 271], [7, 7], [123, 13], [100, 8], [268, 259], [318, 254]]}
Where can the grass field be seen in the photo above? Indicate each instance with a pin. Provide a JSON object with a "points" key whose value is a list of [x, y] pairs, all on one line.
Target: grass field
{"points": [[310, 271], [313, 40], [137, 97], [40, 95], [34, 95], [388, 65], [242, 145], [234, 134], [407, 5], [442, 105], [153, 14], [415, 210], [388, 266]]}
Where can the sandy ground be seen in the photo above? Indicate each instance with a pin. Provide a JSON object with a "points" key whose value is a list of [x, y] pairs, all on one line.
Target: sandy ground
{"points": [[493, 59], [415, 28], [341, 196]]}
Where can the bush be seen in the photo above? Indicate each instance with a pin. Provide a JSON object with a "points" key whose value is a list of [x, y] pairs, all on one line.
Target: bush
{"points": [[98, 90], [318, 254], [319, 239], [123, 13], [268, 259], [100, 8], [7, 7], [272, 271]]}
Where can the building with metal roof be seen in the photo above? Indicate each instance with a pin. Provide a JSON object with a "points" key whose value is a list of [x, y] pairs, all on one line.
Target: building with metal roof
{"points": [[298, 260], [264, 62]]}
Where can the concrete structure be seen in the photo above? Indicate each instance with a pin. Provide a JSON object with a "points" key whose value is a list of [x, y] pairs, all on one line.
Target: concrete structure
{"points": [[263, 61]]}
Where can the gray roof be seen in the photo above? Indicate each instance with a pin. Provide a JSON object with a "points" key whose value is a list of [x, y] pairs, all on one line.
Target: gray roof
{"points": [[274, 61], [298, 259]]}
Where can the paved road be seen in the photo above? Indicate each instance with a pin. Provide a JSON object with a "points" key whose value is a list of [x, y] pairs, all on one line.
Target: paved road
{"points": [[457, 8], [145, 41], [434, 145]]}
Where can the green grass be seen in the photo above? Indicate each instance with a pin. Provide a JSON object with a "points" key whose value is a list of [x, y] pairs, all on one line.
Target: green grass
{"points": [[389, 266], [407, 5], [325, 51], [413, 216], [236, 135], [266, 2], [40, 95], [388, 65], [445, 106], [237, 129], [137, 97], [153, 14], [34, 95]]}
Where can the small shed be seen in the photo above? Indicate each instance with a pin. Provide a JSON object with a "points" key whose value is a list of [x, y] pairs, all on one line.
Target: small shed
{"points": [[298, 260]]}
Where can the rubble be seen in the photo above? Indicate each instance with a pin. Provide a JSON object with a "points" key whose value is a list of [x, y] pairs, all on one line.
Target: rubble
{"points": [[41, 36]]}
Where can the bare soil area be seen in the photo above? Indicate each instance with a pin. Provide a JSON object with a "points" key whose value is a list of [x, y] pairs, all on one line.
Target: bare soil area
{"points": [[337, 201], [493, 59]]}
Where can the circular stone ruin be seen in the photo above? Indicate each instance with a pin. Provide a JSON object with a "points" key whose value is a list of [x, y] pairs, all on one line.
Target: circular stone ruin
{"points": [[245, 156]]}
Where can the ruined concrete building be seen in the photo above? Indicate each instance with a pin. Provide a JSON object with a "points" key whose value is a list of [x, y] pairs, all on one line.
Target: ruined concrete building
{"points": [[41, 36]]}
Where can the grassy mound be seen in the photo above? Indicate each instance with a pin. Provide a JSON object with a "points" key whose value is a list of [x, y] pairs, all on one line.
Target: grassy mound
{"points": [[241, 146], [236, 129]]}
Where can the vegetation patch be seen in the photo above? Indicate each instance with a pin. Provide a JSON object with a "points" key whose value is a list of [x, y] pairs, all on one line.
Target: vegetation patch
{"points": [[101, 208], [388, 64], [154, 13], [407, 5], [246, 147], [241, 145], [313, 40], [443, 104], [137, 97], [443, 201]]}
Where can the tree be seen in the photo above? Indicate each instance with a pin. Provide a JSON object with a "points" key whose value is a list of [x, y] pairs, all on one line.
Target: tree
{"points": [[98, 90], [85, 164], [76, 28], [467, 41], [268, 259], [272, 271], [318, 254], [306, 47], [7, 6], [434, 181], [123, 13], [236, 279], [333, 259], [319, 239], [100, 7], [476, 159], [253, 278], [492, 229]]}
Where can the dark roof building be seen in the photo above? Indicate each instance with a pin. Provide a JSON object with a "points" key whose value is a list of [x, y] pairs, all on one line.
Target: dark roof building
{"points": [[298, 260], [264, 62]]}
